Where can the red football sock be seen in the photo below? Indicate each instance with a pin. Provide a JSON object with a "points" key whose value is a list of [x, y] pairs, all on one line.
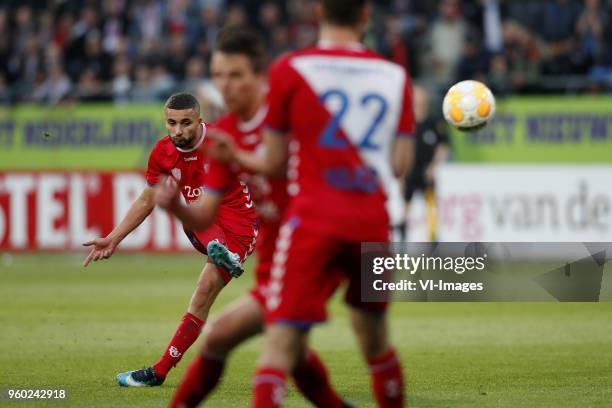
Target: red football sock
{"points": [[387, 380], [312, 380], [186, 334], [269, 388], [199, 380]]}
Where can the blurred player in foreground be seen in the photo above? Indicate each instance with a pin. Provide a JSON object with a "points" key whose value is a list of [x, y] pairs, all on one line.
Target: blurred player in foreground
{"points": [[227, 233], [238, 70], [340, 121], [340, 118]]}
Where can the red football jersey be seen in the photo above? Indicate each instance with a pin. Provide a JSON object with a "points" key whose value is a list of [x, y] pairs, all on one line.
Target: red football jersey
{"points": [[268, 193], [199, 174], [343, 106]]}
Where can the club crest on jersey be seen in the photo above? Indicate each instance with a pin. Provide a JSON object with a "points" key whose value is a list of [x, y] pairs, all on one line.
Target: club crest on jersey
{"points": [[176, 173]]}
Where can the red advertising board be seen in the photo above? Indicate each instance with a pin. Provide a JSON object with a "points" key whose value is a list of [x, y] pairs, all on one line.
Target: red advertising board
{"points": [[61, 210]]}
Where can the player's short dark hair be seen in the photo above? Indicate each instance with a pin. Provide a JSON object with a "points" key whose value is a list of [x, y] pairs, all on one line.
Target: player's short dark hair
{"points": [[343, 12], [244, 41], [181, 101]]}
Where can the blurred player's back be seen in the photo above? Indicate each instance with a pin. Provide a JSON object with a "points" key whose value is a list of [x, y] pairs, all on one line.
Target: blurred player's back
{"points": [[346, 108]]}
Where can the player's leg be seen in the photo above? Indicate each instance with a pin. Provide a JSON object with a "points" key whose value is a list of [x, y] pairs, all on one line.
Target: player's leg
{"points": [[312, 380], [369, 321], [295, 299], [283, 346], [210, 283], [240, 321], [385, 369]]}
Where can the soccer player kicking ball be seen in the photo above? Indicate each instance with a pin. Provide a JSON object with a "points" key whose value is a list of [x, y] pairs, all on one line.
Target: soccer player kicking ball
{"points": [[238, 69], [340, 118], [227, 234]]}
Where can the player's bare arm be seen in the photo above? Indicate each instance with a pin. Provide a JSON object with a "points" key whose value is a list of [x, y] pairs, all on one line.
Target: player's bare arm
{"points": [[198, 215], [402, 156], [103, 248]]}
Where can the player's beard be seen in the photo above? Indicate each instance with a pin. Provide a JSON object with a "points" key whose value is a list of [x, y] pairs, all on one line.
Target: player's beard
{"points": [[182, 143]]}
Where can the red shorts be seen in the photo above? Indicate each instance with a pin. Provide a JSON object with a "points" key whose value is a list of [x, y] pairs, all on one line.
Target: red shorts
{"points": [[242, 245], [309, 266], [266, 241]]}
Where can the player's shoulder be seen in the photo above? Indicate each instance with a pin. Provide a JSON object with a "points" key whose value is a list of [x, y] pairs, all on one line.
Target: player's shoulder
{"points": [[162, 153], [287, 60], [163, 143], [376, 58], [162, 146]]}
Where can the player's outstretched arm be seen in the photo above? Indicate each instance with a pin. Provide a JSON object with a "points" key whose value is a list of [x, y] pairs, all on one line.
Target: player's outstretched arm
{"points": [[196, 216], [103, 248]]}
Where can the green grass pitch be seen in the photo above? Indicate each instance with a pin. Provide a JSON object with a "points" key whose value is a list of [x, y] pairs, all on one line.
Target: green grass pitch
{"points": [[63, 326]]}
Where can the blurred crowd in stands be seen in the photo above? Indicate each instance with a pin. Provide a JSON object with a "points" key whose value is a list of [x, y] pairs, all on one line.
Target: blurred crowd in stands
{"points": [[143, 50]]}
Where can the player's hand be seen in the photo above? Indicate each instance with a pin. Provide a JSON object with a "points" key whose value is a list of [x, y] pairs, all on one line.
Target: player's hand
{"points": [[224, 148], [103, 248], [166, 193]]}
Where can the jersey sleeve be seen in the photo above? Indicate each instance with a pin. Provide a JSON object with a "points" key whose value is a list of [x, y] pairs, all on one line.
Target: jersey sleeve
{"points": [[218, 178], [280, 80], [154, 168], [406, 126]]}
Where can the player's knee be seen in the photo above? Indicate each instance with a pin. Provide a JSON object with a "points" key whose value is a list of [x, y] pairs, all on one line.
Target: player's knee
{"points": [[282, 347], [217, 340], [371, 331], [374, 344]]}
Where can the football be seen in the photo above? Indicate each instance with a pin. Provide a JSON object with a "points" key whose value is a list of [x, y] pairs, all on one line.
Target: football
{"points": [[468, 105]]}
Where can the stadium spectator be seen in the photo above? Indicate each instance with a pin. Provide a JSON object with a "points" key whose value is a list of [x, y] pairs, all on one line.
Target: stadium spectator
{"points": [[206, 29], [55, 89], [396, 45], [89, 87], [591, 34], [74, 56], [522, 55], [446, 38], [95, 58], [148, 19], [556, 28], [142, 89], [115, 24], [474, 63], [25, 66], [162, 82], [176, 56], [236, 16], [5, 41], [121, 81]]}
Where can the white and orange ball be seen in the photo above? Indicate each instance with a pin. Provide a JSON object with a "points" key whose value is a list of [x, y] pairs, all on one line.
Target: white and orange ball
{"points": [[468, 105]]}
